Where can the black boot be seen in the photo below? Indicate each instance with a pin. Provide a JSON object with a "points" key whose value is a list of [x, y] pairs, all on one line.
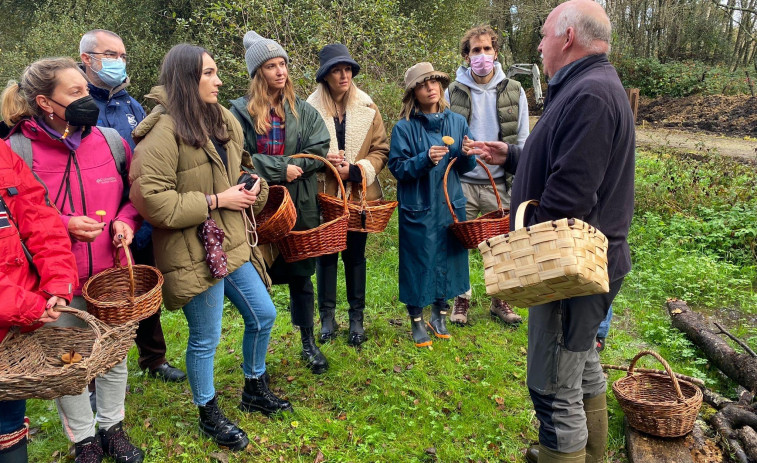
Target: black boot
{"points": [[311, 353], [214, 424], [325, 271], [438, 320], [116, 444], [16, 453], [89, 450], [420, 334], [256, 397], [355, 282]]}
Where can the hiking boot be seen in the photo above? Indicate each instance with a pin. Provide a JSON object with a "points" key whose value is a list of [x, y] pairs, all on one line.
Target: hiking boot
{"points": [[115, 443], [214, 424], [311, 353], [420, 335], [438, 321], [88, 450], [502, 310], [600, 344], [460, 311], [256, 396]]}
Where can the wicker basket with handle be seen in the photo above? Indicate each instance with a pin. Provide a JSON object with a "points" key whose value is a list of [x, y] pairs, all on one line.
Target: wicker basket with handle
{"points": [[474, 231], [124, 294], [546, 262], [31, 364], [656, 404], [365, 216], [277, 217], [327, 238]]}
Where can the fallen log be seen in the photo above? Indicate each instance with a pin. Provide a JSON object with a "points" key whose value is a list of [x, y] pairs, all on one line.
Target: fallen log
{"points": [[748, 436], [727, 423], [742, 368]]}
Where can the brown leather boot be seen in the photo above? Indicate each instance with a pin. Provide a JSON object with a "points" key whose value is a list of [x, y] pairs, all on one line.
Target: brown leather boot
{"points": [[502, 310], [460, 311]]}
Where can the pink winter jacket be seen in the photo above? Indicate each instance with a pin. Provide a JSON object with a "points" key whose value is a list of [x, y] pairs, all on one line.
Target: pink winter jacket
{"points": [[94, 184]]}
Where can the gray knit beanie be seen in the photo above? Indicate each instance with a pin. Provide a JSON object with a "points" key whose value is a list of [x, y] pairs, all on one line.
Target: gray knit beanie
{"points": [[258, 50]]}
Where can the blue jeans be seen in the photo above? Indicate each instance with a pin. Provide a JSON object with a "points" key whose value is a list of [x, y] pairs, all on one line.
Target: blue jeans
{"points": [[248, 293], [12, 415], [604, 327]]}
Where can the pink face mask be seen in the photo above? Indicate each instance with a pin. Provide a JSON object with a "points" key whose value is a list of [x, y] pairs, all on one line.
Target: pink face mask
{"points": [[482, 64]]}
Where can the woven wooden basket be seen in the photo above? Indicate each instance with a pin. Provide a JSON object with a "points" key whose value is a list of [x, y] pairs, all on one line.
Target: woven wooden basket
{"points": [[277, 217], [327, 238], [657, 404], [474, 231], [546, 262], [124, 294], [31, 365], [365, 216]]}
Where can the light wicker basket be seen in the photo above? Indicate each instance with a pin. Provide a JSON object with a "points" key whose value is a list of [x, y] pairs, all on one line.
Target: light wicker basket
{"points": [[656, 404], [31, 365], [545, 262], [474, 231]]}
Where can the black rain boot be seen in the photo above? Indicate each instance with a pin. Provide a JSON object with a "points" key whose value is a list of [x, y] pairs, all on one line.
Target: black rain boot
{"points": [[420, 334], [355, 282], [116, 444], [16, 453], [214, 424], [438, 320], [256, 397], [326, 280], [311, 353]]}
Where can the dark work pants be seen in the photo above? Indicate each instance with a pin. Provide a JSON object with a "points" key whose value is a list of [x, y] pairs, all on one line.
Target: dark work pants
{"points": [[150, 340], [301, 299]]}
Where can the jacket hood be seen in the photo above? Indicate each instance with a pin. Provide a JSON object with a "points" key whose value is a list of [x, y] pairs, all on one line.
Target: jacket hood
{"points": [[240, 104], [157, 94], [464, 76]]}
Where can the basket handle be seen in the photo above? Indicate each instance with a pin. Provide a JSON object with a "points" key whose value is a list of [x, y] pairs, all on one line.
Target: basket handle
{"points": [[668, 370], [521, 212], [491, 180], [333, 171], [129, 265], [363, 187]]}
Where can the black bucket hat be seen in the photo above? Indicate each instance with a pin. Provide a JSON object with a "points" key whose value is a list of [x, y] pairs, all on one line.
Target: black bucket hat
{"points": [[330, 56]]}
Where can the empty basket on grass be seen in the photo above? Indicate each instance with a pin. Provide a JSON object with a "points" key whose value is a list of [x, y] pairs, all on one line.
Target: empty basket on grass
{"points": [[657, 404], [31, 366], [277, 217], [123, 294], [472, 232], [327, 238], [545, 262], [365, 216]]}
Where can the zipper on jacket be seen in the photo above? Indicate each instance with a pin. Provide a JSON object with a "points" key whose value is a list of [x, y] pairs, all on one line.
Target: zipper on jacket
{"points": [[84, 211]]}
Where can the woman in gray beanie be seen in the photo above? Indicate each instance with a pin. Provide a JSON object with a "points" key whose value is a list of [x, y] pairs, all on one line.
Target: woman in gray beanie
{"points": [[278, 124]]}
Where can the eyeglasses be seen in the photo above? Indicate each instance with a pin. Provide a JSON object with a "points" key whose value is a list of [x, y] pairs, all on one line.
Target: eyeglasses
{"points": [[110, 55]]}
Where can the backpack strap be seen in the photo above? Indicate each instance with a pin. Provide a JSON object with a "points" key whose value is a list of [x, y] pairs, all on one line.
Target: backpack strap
{"points": [[117, 150], [22, 146]]}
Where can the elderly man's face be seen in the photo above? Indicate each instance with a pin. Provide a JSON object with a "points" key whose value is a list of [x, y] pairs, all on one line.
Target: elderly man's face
{"points": [[550, 46]]}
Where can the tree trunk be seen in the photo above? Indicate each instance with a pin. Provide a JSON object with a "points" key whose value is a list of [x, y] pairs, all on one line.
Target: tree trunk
{"points": [[727, 422], [742, 368]]}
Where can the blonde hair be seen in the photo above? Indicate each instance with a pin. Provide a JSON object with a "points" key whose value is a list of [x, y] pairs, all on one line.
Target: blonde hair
{"points": [[410, 102], [259, 104], [328, 102], [39, 78]]}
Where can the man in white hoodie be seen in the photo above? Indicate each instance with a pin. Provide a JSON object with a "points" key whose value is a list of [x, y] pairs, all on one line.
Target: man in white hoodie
{"points": [[496, 109]]}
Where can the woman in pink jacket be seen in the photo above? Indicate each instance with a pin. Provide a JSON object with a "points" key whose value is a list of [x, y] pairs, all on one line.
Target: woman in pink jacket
{"points": [[51, 111]]}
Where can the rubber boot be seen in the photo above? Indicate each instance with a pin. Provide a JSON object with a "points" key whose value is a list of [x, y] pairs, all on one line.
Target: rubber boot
{"points": [[420, 335], [326, 282], [552, 456], [214, 424], [596, 423], [355, 282], [438, 320], [17, 453], [257, 397], [311, 353]]}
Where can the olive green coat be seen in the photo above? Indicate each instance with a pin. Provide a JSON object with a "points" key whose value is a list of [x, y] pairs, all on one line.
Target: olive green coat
{"points": [[169, 182]]}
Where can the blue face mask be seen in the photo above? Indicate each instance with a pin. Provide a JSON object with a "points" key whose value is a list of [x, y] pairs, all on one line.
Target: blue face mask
{"points": [[113, 72]]}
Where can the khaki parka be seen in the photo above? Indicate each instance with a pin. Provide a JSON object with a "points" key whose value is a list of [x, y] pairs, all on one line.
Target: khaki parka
{"points": [[169, 182]]}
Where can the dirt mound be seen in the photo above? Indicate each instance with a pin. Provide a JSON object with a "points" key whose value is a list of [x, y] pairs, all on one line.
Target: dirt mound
{"points": [[718, 114]]}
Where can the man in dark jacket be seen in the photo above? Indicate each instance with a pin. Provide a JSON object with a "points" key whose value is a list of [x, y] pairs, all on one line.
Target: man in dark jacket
{"points": [[103, 57], [578, 162]]}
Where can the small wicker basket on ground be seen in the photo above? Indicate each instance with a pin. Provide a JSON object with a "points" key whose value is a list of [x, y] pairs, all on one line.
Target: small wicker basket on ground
{"points": [[124, 294], [31, 366], [656, 404], [277, 217], [365, 216], [474, 231], [545, 262], [327, 238]]}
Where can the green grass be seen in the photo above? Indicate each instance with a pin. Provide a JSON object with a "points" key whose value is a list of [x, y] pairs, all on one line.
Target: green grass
{"points": [[465, 399]]}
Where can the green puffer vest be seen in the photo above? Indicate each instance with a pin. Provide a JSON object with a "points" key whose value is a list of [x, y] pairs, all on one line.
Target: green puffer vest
{"points": [[508, 97]]}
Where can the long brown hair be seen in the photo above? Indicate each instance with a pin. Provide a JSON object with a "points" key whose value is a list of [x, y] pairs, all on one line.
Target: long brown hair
{"points": [[259, 103], [410, 102], [39, 78], [194, 120]]}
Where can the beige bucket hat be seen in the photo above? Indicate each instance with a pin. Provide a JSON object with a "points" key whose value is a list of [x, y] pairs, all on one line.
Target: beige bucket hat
{"points": [[421, 72]]}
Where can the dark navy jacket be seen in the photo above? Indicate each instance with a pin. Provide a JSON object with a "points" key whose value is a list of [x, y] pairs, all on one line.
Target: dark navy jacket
{"points": [[579, 159], [119, 111]]}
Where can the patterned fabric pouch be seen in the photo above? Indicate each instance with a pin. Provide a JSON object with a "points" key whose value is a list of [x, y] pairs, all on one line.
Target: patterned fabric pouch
{"points": [[212, 239]]}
